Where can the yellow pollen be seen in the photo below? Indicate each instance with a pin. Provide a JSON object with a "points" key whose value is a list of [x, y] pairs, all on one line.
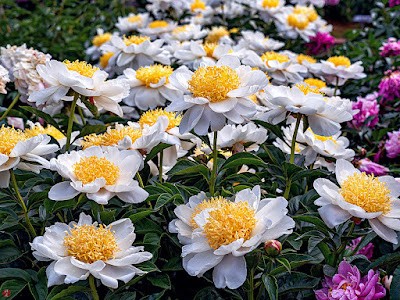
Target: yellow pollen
{"points": [[229, 222], [297, 148], [111, 137], [158, 24], [306, 89], [234, 30], [150, 118], [319, 84], [253, 98], [323, 138], [135, 39], [197, 4], [88, 243], [213, 83], [180, 29], [216, 34], [100, 39], [153, 74], [49, 130], [82, 67], [105, 58], [299, 21], [340, 61], [9, 138], [213, 203], [302, 57], [90, 168], [311, 13], [209, 48], [271, 55], [134, 19], [270, 3], [367, 192]]}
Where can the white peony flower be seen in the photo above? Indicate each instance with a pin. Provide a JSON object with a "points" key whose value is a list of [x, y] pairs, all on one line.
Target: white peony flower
{"points": [[186, 33], [317, 3], [100, 39], [132, 22], [219, 35], [218, 233], [268, 9], [215, 93], [257, 42], [158, 28], [4, 79], [99, 172], [78, 250], [321, 86], [361, 196]]}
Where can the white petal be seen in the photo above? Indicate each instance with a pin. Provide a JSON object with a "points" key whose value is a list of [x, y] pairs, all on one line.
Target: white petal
{"points": [[231, 272], [62, 191], [200, 263], [383, 231], [333, 215]]}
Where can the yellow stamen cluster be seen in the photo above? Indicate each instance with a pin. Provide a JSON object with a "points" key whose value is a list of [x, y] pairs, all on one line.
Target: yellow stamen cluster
{"points": [[271, 55], [105, 58], [298, 21], [153, 74], [150, 118], [90, 168], [306, 89], [88, 243], [82, 67], [197, 4], [158, 24], [209, 48], [213, 83], [135, 39], [319, 84], [323, 138], [49, 130], [213, 203], [253, 98], [111, 137], [135, 19], [308, 58], [340, 61], [311, 13], [9, 138], [100, 39], [229, 222], [270, 3], [367, 192], [180, 29], [216, 34]]}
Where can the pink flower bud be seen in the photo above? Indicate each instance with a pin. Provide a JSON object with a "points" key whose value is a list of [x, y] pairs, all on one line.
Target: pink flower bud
{"points": [[273, 248], [387, 281]]}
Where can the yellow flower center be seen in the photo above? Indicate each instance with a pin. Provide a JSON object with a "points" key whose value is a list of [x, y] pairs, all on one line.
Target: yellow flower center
{"points": [[100, 39], [340, 61], [49, 130], [323, 138], [213, 83], [9, 138], [367, 192], [134, 19], [88, 243], [90, 168], [271, 55], [270, 3], [209, 48], [214, 202], [153, 74], [319, 84], [228, 221], [82, 67], [308, 58], [150, 118], [306, 89], [180, 29], [197, 4], [158, 24], [111, 137], [253, 98], [135, 39], [216, 33], [105, 58], [299, 21], [311, 13]]}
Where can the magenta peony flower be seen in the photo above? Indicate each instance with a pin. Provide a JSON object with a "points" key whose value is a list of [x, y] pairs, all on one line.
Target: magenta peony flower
{"points": [[332, 2], [394, 3], [392, 145], [390, 48], [348, 284], [367, 107], [370, 167], [389, 87], [367, 250], [320, 43]]}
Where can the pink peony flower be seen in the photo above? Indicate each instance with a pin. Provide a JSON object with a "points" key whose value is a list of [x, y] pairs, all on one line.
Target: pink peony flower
{"points": [[332, 2], [320, 43], [367, 250], [392, 145], [394, 3], [348, 284], [390, 48], [389, 87], [367, 107], [370, 167]]}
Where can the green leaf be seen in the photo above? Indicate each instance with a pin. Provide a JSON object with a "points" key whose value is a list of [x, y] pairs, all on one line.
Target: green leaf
{"points": [[14, 286], [42, 115], [271, 128], [161, 281], [15, 273], [148, 267], [395, 285], [145, 226], [107, 216], [285, 263], [243, 158], [296, 260], [8, 252], [89, 129], [195, 170], [295, 282], [41, 285], [320, 225], [156, 150], [91, 107], [173, 264], [271, 285], [140, 215], [68, 291], [163, 199]]}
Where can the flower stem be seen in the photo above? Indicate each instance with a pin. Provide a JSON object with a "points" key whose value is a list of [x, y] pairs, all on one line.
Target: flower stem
{"points": [[160, 169], [140, 180], [292, 150], [22, 203], [336, 86], [250, 292], [10, 107], [215, 164], [82, 116], [93, 288], [71, 121]]}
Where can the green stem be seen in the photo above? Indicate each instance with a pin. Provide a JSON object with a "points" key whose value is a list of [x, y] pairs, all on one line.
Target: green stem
{"points": [[93, 288], [140, 180], [287, 190], [215, 164], [336, 87], [10, 107], [250, 292], [293, 147], [71, 121], [22, 203], [82, 116], [160, 169]]}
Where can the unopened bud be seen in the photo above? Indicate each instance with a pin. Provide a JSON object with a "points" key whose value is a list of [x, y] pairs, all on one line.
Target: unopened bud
{"points": [[363, 151], [356, 220], [273, 247], [387, 280]]}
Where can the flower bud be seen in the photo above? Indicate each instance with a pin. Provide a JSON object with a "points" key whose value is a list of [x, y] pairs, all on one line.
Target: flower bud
{"points": [[273, 247], [387, 280], [356, 220]]}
